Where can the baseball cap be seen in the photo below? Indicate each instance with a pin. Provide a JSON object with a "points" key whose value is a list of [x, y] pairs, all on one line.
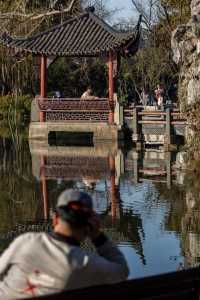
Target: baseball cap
{"points": [[72, 196], [74, 207]]}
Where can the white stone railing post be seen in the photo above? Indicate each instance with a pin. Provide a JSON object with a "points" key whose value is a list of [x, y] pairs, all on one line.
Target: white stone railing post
{"points": [[119, 112]]}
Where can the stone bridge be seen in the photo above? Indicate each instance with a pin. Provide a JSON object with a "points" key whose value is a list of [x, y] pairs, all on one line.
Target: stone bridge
{"points": [[151, 125]]}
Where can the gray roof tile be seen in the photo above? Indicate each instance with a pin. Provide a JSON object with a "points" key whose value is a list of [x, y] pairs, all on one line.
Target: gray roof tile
{"points": [[85, 35]]}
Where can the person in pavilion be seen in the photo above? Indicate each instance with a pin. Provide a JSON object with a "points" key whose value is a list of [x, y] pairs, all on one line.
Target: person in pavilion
{"points": [[88, 95]]}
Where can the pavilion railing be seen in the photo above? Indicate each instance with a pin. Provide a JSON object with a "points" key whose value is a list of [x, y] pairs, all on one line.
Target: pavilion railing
{"points": [[74, 109], [76, 167]]}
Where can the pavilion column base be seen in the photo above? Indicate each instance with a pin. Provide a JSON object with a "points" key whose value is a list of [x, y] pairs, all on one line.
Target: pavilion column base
{"points": [[99, 131]]}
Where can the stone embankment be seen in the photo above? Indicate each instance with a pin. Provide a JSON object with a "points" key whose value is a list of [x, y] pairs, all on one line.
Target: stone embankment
{"points": [[186, 53]]}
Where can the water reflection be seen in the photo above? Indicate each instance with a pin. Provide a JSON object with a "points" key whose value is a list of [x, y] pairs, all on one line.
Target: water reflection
{"points": [[97, 170], [144, 203]]}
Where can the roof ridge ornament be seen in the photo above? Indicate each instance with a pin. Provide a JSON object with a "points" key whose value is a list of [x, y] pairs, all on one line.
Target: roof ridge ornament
{"points": [[90, 9]]}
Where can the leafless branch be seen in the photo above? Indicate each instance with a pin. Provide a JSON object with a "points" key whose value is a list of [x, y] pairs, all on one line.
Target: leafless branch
{"points": [[147, 10], [11, 15]]}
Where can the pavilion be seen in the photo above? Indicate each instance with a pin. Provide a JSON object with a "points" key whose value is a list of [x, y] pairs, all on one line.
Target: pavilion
{"points": [[85, 35]]}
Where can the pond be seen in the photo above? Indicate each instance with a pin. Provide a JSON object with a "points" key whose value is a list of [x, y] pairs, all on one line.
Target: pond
{"points": [[147, 206]]}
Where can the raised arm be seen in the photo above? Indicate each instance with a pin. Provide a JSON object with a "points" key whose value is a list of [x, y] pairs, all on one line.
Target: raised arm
{"points": [[109, 263]]}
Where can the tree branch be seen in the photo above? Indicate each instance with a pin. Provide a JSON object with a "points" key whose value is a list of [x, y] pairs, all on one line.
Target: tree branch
{"points": [[147, 10], [10, 15]]}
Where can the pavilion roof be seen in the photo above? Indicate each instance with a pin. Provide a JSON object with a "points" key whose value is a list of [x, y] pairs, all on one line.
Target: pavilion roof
{"points": [[84, 35]]}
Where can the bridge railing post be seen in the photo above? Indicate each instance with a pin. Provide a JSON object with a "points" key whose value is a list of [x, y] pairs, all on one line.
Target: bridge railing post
{"points": [[168, 139], [119, 112], [137, 132], [136, 167], [168, 157]]}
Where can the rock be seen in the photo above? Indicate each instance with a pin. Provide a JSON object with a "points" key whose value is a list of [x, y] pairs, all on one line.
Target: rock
{"points": [[186, 52], [180, 177], [189, 135], [181, 160], [176, 47], [193, 91], [184, 43], [195, 8]]}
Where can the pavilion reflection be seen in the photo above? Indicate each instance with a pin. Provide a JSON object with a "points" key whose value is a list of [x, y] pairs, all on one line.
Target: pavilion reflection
{"points": [[77, 164], [96, 170]]}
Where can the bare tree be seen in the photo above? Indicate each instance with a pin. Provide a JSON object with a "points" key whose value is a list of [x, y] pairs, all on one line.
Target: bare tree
{"points": [[101, 8], [24, 18], [148, 10], [11, 15]]}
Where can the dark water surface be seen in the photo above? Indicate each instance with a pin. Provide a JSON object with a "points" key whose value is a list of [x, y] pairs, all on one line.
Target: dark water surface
{"points": [[148, 207]]}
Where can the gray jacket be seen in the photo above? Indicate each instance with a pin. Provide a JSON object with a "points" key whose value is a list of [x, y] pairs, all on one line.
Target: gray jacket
{"points": [[40, 263]]}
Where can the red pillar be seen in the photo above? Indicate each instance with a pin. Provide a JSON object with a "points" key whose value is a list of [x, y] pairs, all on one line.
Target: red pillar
{"points": [[111, 87], [43, 71], [44, 190]]}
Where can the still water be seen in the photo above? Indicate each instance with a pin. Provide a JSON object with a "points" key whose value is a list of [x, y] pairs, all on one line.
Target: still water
{"points": [[147, 206]]}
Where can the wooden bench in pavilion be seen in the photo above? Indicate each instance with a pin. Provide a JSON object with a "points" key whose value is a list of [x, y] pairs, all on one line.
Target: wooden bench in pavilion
{"points": [[85, 35], [181, 285]]}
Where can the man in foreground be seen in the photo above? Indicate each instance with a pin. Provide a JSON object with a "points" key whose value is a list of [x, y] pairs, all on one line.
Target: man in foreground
{"points": [[45, 263]]}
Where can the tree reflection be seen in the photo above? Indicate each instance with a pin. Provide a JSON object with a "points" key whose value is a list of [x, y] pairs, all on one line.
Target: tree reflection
{"points": [[19, 191], [183, 217]]}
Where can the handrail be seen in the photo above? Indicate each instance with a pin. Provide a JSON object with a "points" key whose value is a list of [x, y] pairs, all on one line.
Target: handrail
{"points": [[158, 122], [154, 112], [75, 105], [77, 110], [184, 285], [69, 99]]}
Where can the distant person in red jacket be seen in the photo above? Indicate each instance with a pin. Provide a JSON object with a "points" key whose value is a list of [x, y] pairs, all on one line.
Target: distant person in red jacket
{"points": [[159, 95]]}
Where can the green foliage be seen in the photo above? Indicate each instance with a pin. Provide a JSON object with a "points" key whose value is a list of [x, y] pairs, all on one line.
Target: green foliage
{"points": [[72, 76], [14, 107]]}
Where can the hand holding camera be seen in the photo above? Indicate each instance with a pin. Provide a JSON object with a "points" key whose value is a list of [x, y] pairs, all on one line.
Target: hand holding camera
{"points": [[94, 225]]}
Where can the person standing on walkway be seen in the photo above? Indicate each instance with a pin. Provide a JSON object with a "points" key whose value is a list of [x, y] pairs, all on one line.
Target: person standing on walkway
{"points": [[46, 263], [145, 97], [159, 95]]}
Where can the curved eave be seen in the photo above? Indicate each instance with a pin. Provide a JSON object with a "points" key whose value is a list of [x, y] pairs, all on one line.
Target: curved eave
{"points": [[85, 35], [117, 45]]}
